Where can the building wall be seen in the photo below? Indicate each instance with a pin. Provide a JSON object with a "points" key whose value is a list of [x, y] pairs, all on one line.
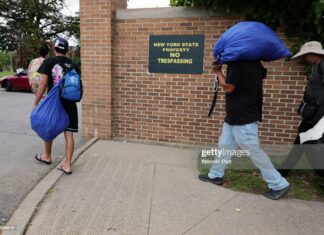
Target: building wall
{"points": [[96, 58], [169, 108]]}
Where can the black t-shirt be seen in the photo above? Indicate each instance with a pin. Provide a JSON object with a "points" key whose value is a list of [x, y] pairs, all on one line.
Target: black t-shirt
{"points": [[244, 105], [53, 68]]}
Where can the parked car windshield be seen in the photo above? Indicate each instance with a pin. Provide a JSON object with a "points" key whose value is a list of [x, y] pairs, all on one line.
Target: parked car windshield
{"points": [[23, 73]]}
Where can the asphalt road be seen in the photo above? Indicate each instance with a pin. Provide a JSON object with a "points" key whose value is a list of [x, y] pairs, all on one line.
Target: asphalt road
{"points": [[19, 171]]}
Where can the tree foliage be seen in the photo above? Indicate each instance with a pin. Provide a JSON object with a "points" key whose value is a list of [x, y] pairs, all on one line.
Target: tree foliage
{"points": [[24, 24], [4, 61], [302, 19]]}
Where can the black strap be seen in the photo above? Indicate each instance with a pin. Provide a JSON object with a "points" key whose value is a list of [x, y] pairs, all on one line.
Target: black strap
{"points": [[320, 69], [62, 64], [212, 107], [320, 66], [65, 69]]}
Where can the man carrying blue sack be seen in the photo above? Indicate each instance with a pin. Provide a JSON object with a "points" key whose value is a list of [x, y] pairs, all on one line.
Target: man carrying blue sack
{"points": [[244, 99], [52, 71]]}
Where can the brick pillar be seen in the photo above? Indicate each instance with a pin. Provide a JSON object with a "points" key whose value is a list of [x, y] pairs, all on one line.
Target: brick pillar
{"points": [[119, 4], [96, 60]]}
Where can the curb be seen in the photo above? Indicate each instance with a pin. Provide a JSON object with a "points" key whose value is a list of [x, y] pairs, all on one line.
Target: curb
{"points": [[23, 214]]}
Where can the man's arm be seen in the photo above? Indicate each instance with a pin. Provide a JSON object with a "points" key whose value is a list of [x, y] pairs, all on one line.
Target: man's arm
{"points": [[228, 88], [41, 89]]}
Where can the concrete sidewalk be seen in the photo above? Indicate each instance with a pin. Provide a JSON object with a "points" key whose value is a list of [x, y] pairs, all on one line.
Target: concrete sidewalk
{"points": [[125, 188]]}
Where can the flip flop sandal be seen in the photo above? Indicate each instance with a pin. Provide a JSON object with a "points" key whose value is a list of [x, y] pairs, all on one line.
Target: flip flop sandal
{"points": [[39, 157], [60, 168]]}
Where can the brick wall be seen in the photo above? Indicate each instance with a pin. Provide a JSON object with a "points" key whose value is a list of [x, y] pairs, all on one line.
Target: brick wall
{"points": [[119, 4], [96, 58], [173, 108], [123, 100]]}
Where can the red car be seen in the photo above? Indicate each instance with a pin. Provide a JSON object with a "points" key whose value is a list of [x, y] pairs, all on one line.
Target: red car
{"points": [[18, 81]]}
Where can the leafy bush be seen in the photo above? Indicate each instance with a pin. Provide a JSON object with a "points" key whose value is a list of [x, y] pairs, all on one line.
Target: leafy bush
{"points": [[302, 20]]}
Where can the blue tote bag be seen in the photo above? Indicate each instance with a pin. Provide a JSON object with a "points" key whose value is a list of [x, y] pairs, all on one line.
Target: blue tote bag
{"points": [[49, 118], [249, 40]]}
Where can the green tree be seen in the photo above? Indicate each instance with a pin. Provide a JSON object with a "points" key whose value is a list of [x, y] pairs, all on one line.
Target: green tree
{"points": [[302, 19], [25, 24], [4, 61]]}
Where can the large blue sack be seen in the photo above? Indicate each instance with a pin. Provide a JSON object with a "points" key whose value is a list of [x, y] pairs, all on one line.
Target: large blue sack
{"points": [[49, 118], [249, 40]]}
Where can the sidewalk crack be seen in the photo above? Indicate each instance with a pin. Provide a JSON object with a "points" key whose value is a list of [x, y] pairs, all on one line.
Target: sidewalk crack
{"points": [[16, 133], [218, 208], [151, 204]]}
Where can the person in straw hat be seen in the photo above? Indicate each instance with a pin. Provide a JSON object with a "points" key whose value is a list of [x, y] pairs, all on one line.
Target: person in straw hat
{"points": [[311, 109]]}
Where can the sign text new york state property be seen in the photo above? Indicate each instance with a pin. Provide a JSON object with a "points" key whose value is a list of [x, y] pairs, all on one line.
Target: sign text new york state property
{"points": [[182, 54]]}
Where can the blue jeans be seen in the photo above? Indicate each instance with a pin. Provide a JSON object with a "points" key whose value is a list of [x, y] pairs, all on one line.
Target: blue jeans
{"points": [[246, 137]]}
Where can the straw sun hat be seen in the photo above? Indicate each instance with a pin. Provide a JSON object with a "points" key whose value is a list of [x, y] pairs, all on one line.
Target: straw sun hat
{"points": [[310, 47]]}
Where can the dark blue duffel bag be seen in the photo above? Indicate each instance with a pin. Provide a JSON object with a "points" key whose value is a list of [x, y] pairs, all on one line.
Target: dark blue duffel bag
{"points": [[249, 40], [49, 118]]}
